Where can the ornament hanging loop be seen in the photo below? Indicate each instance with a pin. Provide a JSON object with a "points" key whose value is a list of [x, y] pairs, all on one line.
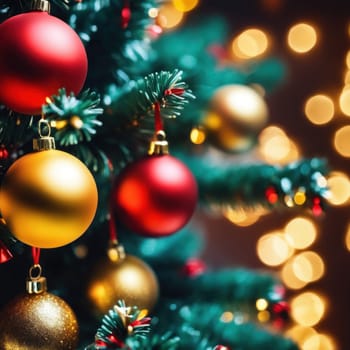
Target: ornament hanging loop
{"points": [[35, 272], [44, 128], [45, 141], [36, 284]]}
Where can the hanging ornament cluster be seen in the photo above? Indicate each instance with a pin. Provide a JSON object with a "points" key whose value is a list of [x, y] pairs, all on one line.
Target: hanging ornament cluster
{"points": [[48, 197], [121, 276], [39, 54], [38, 319], [236, 114], [155, 196]]}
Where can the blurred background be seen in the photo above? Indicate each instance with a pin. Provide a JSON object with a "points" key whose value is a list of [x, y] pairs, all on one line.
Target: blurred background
{"points": [[308, 117]]}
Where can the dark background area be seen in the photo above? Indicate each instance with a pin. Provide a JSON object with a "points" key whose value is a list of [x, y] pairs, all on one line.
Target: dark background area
{"points": [[320, 71]]}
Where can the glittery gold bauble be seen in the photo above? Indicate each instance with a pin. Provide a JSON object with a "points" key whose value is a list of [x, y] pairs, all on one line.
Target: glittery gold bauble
{"points": [[48, 198], [236, 114], [130, 279], [38, 322]]}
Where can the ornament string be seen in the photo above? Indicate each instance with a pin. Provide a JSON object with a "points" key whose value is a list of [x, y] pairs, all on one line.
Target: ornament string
{"points": [[113, 237], [158, 123], [36, 255], [115, 250]]}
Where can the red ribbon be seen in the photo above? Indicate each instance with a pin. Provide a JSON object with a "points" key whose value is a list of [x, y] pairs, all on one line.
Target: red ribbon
{"points": [[145, 320], [5, 254], [174, 91], [36, 255], [158, 123]]}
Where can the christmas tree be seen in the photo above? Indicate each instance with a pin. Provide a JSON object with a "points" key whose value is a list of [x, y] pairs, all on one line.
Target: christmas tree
{"points": [[114, 133]]}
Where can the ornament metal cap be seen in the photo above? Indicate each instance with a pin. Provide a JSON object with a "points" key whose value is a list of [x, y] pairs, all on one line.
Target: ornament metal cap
{"points": [[41, 5], [115, 252], [44, 143], [159, 144], [36, 284]]}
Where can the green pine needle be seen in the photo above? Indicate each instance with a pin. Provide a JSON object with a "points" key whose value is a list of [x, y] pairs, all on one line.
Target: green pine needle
{"points": [[75, 118], [138, 98], [115, 328], [238, 186]]}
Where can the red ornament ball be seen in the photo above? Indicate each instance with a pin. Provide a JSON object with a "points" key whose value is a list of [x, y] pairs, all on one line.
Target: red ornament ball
{"points": [[155, 196], [39, 54]]}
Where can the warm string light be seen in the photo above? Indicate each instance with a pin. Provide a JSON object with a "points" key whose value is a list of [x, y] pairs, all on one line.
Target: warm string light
{"points": [[172, 13], [302, 38], [250, 43], [289, 250], [275, 147]]}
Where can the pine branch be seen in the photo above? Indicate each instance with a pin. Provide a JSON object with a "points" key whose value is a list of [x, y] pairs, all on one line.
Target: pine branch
{"points": [[202, 327], [15, 129], [122, 327], [224, 286], [300, 184], [128, 122], [119, 35], [136, 101], [74, 118]]}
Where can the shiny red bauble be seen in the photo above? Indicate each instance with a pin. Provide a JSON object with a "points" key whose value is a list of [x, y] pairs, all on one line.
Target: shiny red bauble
{"points": [[155, 196], [39, 54]]}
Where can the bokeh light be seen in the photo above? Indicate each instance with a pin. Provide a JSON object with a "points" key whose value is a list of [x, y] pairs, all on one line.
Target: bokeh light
{"points": [[319, 342], [302, 37], [273, 249], [307, 309], [300, 232], [169, 16], [275, 147], [319, 109], [226, 317], [347, 77], [243, 217], [261, 304], [347, 59], [308, 266], [289, 278], [185, 5], [344, 101], [300, 334], [341, 140], [347, 238], [339, 188], [250, 43], [197, 135]]}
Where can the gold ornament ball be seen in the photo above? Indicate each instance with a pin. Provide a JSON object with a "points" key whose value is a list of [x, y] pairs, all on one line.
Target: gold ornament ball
{"points": [[48, 198], [236, 114], [130, 279], [38, 322]]}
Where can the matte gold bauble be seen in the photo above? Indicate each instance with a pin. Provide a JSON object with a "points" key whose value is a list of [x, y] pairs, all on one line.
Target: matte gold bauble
{"points": [[48, 198], [130, 279], [38, 322], [236, 114]]}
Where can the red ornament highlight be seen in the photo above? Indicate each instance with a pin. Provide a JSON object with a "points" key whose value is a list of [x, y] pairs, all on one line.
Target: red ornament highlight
{"points": [[39, 54], [155, 196]]}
